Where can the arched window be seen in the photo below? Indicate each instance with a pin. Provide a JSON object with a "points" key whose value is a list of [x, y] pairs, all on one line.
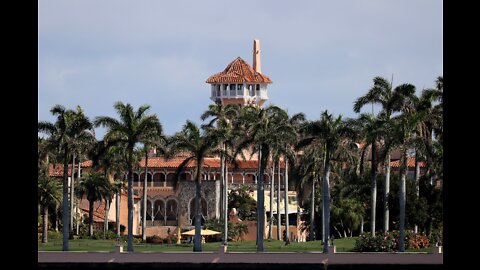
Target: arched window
{"points": [[172, 213], [159, 213], [149, 213], [203, 209]]}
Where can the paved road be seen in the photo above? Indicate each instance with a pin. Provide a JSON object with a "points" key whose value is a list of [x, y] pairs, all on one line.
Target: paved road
{"points": [[240, 258]]}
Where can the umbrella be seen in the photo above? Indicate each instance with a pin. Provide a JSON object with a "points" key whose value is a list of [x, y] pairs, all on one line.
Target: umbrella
{"points": [[202, 232]]}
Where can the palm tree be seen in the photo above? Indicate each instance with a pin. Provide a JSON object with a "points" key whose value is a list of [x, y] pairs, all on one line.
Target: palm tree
{"points": [[406, 124], [285, 144], [199, 144], [70, 127], [95, 187], [263, 128], [118, 187], [331, 133], [372, 129], [223, 117], [391, 100], [132, 128], [49, 192], [310, 168]]}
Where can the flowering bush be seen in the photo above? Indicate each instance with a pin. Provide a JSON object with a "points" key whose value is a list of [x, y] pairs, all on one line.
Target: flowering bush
{"points": [[385, 242], [417, 241]]}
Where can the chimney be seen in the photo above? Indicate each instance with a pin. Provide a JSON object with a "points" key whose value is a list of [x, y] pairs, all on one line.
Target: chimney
{"points": [[257, 66]]}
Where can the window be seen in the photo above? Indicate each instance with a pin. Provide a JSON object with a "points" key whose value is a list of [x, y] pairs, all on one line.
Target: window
{"points": [[232, 87]]}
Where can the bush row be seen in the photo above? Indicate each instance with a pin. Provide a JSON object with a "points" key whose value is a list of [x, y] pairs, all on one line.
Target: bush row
{"points": [[389, 242]]}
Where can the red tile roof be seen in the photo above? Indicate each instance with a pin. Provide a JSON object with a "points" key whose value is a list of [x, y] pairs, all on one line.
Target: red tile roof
{"points": [[410, 163], [57, 170], [239, 71]]}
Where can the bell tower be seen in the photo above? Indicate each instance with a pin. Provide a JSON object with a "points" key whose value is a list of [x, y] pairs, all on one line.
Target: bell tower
{"points": [[239, 83]]}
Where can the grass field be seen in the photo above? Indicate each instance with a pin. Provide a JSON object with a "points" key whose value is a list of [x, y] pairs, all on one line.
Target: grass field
{"points": [[342, 245]]}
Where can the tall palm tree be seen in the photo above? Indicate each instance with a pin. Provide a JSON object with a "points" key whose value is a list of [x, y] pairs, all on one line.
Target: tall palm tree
{"points": [[132, 128], [310, 168], [392, 100], [71, 126], [49, 192], [372, 129], [263, 128], [223, 117], [285, 145], [405, 127], [331, 132], [95, 187], [199, 144]]}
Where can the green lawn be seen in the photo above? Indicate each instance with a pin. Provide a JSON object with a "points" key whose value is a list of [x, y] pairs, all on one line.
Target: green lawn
{"points": [[343, 245]]}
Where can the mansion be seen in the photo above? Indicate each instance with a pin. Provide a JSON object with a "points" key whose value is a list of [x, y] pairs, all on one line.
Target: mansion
{"points": [[169, 209]]}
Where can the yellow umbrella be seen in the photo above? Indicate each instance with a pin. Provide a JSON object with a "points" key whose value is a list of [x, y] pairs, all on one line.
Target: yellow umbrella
{"points": [[202, 232]]}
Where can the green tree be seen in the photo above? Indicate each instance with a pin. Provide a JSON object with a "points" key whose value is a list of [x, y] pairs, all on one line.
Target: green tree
{"points": [[392, 100], [263, 128], [132, 128], [49, 192], [404, 129], [241, 200], [332, 132], [372, 129], [310, 169], [222, 119], [95, 187], [198, 144], [71, 126]]}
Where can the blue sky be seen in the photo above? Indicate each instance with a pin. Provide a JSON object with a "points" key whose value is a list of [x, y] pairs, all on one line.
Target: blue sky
{"points": [[321, 55]]}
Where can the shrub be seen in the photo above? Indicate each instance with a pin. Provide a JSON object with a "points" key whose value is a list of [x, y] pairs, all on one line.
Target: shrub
{"points": [[417, 241], [389, 242], [386, 242], [436, 237], [154, 239]]}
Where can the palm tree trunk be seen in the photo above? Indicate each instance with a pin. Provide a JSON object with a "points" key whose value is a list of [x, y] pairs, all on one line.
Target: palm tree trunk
{"points": [[312, 212], [261, 200], [222, 186], [287, 239], [77, 215], [72, 192], [326, 200], [279, 215], [130, 201], [144, 216], [117, 213], [361, 225], [45, 224], [90, 218], [402, 196], [373, 189], [417, 179], [197, 243], [225, 206], [56, 216], [107, 210], [386, 211], [272, 182], [66, 217]]}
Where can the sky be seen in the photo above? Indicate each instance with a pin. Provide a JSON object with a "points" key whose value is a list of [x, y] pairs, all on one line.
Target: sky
{"points": [[320, 55]]}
